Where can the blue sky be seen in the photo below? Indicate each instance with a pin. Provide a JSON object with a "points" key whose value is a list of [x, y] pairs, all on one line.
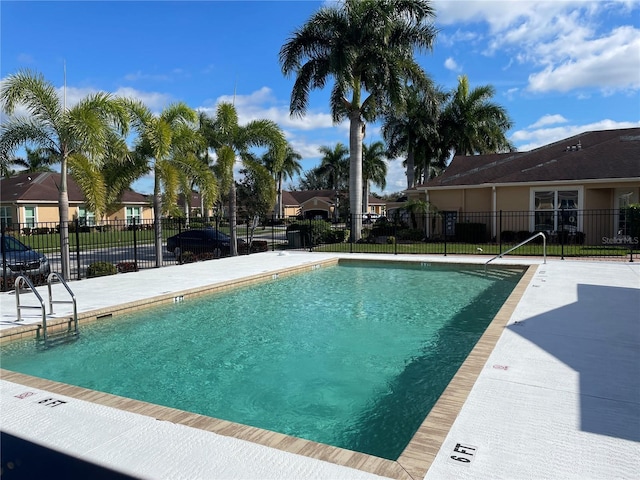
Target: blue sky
{"points": [[559, 67]]}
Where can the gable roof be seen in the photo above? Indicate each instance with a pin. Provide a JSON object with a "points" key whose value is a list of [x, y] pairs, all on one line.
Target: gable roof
{"points": [[603, 154], [43, 188], [299, 197]]}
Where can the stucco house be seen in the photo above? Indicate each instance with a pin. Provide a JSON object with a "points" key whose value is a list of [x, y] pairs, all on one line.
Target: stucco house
{"points": [[312, 204], [32, 198], [556, 184]]}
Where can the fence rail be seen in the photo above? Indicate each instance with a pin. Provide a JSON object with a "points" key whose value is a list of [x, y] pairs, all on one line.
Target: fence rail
{"points": [[121, 246]]}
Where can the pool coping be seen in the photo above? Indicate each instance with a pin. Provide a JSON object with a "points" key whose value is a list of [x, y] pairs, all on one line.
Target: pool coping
{"points": [[415, 460]]}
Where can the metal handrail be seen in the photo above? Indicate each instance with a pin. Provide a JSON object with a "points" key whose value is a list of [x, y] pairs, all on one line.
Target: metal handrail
{"points": [[17, 284], [50, 278], [544, 249]]}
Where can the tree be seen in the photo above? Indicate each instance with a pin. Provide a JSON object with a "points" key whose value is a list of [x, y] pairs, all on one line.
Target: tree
{"points": [[413, 129], [374, 169], [334, 165], [313, 180], [78, 134], [290, 167], [366, 47], [472, 124], [231, 140], [168, 144], [35, 161]]}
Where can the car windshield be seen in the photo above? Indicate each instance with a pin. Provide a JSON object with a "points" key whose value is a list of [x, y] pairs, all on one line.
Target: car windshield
{"points": [[13, 245]]}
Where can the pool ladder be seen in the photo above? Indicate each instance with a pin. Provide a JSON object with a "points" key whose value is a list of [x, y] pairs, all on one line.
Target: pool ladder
{"points": [[44, 338]]}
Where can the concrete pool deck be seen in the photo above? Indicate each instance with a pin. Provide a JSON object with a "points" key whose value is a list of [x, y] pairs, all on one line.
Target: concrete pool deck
{"points": [[558, 396]]}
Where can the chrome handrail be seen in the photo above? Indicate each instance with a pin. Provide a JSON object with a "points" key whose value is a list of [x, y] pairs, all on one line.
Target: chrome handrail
{"points": [[17, 284], [544, 249], [50, 278]]}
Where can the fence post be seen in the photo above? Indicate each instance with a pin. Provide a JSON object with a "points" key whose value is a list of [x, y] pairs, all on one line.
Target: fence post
{"points": [[350, 225], [500, 232], [77, 224], [135, 243], [562, 233], [444, 230], [4, 261]]}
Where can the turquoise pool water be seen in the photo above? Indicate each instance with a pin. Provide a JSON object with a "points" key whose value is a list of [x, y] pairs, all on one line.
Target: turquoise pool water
{"points": [[353, 355]]}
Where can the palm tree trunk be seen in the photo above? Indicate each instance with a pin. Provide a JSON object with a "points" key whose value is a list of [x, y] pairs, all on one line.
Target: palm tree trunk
{"points": [[356, 127], [157, 215], [63, 209], [411, 169], [279, 198], [233, 219]]}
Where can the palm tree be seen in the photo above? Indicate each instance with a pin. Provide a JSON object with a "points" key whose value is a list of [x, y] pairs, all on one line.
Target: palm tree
{"points": [[374, 169], [231, 140], [366, 47], [35, 162], [334, 166], [79, 133], [169, 144], [290, 166], [472, 123], [413, 130]]}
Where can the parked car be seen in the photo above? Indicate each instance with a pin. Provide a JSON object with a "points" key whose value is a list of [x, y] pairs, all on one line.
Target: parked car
{"points": [[370, 218], [20, 259], [201, 240]]}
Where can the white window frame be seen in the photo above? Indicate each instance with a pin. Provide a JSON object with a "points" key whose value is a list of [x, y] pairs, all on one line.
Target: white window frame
{"points": [[131, 213], [30, 222], [88, 215], [555, 189], [6, 219]]}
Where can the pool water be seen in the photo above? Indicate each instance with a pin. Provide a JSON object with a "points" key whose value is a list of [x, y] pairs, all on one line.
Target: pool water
{"points": [[353, 355]]}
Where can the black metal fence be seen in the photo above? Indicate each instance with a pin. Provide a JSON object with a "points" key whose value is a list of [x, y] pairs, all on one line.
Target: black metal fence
{"points": [[610, 234], [121, 246]]}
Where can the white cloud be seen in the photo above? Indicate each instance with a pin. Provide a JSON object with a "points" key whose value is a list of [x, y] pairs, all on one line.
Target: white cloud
{"points": [[137, 76], [155, 101], [534, 137], [609, 63], [450, 64], [565, 42], [26, 58], [548, 120]]}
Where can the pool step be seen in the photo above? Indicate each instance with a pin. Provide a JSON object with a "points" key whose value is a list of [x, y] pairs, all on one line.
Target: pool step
{"points": [[57, 338]]}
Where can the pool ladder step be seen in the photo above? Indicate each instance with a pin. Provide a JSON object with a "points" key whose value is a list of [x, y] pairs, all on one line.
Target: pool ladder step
{"points": [[58, 338]]}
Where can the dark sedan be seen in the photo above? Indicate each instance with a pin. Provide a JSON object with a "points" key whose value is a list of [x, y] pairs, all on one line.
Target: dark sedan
{"points": [[19, 259], [204, 240]]}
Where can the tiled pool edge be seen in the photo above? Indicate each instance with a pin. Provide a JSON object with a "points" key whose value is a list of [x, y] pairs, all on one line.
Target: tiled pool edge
{"points": [[419, 454], [415, 459]]}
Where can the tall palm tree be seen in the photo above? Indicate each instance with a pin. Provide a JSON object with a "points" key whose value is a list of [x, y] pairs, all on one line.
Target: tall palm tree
{"points": [[290, 166], [168, 144], [334, 165], [79, 133], [413, 129], [374, 169], [366, 47], [230, 141], [473, 124]]}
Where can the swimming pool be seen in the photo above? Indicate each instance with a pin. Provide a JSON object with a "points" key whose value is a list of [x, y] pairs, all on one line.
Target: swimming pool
{"points": [[350, 365]]}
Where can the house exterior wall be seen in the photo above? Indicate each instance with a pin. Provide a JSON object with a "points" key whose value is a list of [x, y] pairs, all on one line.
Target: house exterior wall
{"points": [[512, 199]]}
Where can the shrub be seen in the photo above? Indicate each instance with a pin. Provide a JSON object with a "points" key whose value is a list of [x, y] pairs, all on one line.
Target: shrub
{"points": [[471, 232], [391, 240], [410, 234], [336, 236], [508, 236], [259, 246], [124, 267], [311, 232], [100, 269], [188, 257]]}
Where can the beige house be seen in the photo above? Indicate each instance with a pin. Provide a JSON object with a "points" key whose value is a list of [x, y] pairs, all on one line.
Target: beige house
{"points": [[312, 204], [556, 183], [29, 199]]}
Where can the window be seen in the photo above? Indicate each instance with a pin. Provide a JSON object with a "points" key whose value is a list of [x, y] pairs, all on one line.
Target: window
{"points": [[556, 210], [133, 213], [86, 217], [5, 217], [30, 217], [624, 200]]}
